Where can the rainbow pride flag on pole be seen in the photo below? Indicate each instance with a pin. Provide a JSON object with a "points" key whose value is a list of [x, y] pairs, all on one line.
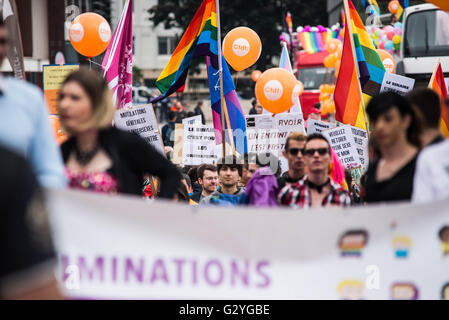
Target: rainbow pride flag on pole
{"points": [[438, 84], [371, 69], [199, 40], [347, 96]]}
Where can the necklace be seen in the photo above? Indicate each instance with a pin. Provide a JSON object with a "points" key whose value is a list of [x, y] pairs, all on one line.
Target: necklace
{"points": [[318, 187], [84, 157]]}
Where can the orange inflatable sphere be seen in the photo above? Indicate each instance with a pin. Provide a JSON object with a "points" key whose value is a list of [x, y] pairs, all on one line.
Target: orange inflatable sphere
{"points": [[241, 48], [332, 45], [90, 34], [255, 75], [277, 90], [387, 60], [393, 6]]}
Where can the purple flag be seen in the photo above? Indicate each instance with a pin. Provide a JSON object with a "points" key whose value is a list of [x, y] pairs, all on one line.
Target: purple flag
{"points": [[118, 60]]}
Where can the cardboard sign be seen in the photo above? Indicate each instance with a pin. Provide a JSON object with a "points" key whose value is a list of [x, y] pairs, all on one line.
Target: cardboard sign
{"points": [[125, 248], [178, 143], [142, 121], [53, 77], [192, 120], [199, 145], [266, 133], [361, 142], [317, 126], [342, 141], [396, 83]]}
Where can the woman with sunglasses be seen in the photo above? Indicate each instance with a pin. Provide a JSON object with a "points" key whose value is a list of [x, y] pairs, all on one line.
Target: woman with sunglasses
{"points": [[395, 130], [316, 189], [99, 157]]}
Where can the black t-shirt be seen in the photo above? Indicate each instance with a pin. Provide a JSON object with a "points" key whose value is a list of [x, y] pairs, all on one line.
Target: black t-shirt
{"points": [[25, 240], [398, 188]]}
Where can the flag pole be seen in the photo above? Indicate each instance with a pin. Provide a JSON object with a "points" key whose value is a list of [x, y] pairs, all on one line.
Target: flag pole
{"points": [[351, 39], [224, 110], [432, 78]]}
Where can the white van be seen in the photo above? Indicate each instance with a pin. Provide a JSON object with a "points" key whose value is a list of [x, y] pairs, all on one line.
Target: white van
{"points": [[142, 94], [425, 39]]}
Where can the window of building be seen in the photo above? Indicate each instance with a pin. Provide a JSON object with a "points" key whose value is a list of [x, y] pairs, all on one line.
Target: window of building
{"points": [[166, 45]]}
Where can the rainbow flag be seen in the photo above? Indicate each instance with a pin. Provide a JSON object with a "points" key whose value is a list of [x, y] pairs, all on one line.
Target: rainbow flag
{"points": [[315, 41], [347, 96], [371, 69], [199, 40], [438, 84], [288, 20], [235, 120]]}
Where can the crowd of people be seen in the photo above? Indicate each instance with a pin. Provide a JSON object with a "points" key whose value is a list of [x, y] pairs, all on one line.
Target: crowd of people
{"points": [[408, 162]]}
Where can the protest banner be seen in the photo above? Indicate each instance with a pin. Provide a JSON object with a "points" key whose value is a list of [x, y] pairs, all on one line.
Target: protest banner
{"points": [[126, 248], [317, 126], [342, 141], [178, 143], [53, 77], [199, 145], [361, 142], [267, 133], [396, 83], [140, 120], [192, 120]]}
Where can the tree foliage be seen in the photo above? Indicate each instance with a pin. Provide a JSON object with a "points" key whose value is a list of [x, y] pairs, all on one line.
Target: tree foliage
{"points": [[265, 17]]}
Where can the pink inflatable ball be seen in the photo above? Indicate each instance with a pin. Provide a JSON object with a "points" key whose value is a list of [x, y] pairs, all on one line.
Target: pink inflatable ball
{"points": [[397, 31], [390, 35], [307, 29]]}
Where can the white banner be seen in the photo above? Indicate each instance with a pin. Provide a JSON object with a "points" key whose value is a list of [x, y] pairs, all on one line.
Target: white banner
{"points": [[142, 121], [317, 126], [342, 141], [396, 83], [267, 133], [192, 120], [113, 247], [199, 145]]}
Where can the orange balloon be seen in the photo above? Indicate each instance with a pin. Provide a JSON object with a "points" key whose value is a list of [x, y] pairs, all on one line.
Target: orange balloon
{"points": [[387, 60], [332, 45], [59, 134], [301, 88], [393, 6], [255, 75], [90, 34], [241, 48], [328, 107], [277, 90]]}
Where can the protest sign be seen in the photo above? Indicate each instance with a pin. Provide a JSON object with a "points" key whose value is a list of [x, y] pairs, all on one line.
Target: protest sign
{"points": [[396, 83], [342, 141], [267, 133], [192, 120], [361, 142], [126, 248], [317, 126], [199, 145], [53, 77], [178, 143], [140, 120]]}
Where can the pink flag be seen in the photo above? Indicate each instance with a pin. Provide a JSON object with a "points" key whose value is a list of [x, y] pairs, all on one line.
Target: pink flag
{"points": [[118, 60]]}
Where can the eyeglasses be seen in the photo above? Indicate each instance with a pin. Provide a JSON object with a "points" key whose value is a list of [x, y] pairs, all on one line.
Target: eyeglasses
{"points": [[311, 152], [294, 151]]}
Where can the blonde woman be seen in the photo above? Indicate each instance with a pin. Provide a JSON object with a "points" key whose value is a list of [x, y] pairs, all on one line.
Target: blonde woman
{"points": [[99, 157]]}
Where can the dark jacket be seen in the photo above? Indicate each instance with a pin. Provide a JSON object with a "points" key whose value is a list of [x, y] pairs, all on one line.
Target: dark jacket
{"points": [[132, 158], [198, 112], [168, 134]]}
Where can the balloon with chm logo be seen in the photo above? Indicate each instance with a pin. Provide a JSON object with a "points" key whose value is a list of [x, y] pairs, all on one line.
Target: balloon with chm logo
{"points": [[393, 6], [387, 60], [277, 90], [241, 48], [90, 34]]}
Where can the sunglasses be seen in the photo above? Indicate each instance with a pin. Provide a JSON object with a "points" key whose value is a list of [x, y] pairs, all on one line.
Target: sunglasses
{"points": [[295, 151], [311, 152]]}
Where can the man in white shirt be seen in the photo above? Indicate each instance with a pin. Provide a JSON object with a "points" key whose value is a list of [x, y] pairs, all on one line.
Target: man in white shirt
{"points": [[431, 181]]}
